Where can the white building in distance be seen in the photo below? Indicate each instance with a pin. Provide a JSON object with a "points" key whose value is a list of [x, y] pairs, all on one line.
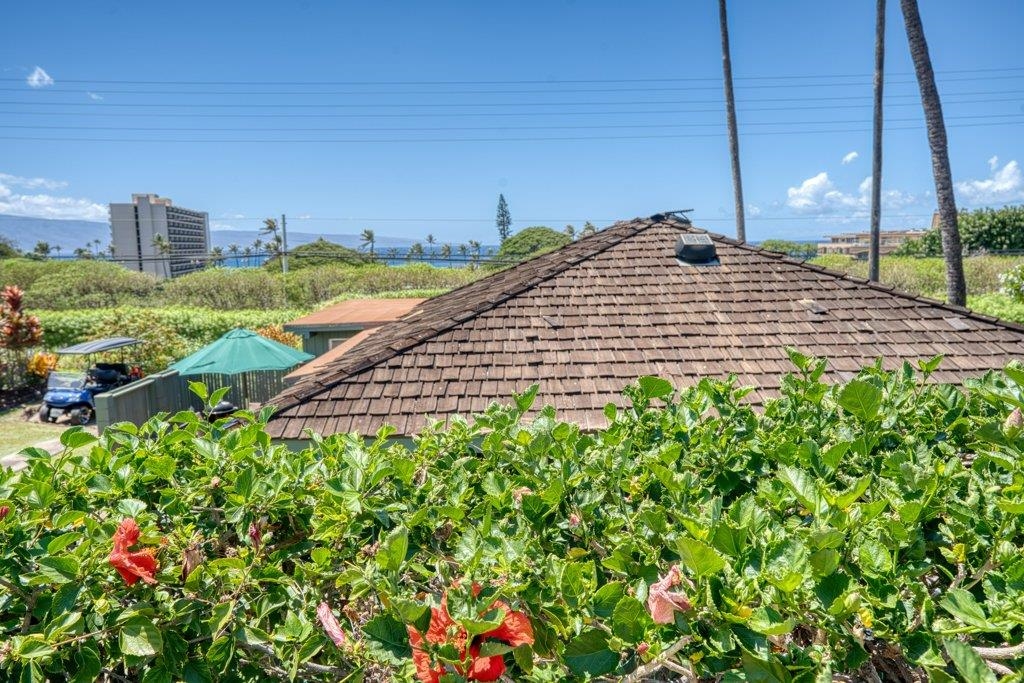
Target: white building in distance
{"points": [[152, 235]]}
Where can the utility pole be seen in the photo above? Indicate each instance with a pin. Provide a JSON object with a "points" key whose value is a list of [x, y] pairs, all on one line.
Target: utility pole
{"points": [[284, 246], [730, 114], [874, 245]]}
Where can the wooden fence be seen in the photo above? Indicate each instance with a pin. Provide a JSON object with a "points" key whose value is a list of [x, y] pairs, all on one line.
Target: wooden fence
{"points": [[168, 392]]}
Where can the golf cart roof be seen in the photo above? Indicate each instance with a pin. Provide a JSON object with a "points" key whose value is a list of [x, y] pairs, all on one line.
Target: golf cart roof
{"points": [[99, 345]]}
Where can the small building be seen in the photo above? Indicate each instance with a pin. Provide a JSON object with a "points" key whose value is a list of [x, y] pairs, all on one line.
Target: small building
{"points": [[857, 244], [152, 235], [329, 327], [586, 320]]}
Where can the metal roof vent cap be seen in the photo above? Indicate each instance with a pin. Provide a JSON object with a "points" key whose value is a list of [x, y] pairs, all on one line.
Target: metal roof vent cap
{"points": [[696, 249]]}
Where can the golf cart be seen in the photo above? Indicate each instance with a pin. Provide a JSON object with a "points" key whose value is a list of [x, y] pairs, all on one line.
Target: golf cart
{"points": [[73, 393]]}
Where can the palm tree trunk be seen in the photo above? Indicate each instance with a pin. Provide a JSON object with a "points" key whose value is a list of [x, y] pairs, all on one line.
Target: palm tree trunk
{"points": [[730, 113], [874, 248], [956, 287]]}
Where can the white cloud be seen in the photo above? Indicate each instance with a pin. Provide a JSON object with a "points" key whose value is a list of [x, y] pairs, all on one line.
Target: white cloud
{"points": [[218, 225], [93, 96], [819, 195], [31, 183], [44, 205], [39, 78], [753, 210], [1003, 185], [850, 158]]}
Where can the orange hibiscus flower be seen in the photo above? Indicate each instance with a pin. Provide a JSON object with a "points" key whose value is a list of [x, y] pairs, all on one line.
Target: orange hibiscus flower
{"points": [[514, 630], [132, 566]]}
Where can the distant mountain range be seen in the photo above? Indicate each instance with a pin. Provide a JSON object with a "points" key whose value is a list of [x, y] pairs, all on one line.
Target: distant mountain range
{"points": [[69, 235]]}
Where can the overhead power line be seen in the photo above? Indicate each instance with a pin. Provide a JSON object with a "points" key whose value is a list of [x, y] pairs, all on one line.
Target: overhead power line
{"points": [[293, 129], [541, 81], [490, 139], [529, 91], [392, 105]]}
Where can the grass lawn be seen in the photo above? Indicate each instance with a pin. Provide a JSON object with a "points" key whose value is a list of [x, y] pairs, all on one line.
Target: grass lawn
{"points": [[16, 432]]}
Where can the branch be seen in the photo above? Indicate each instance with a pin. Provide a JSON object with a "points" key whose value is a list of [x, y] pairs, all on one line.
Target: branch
{"points": [[309, 667], [659, 662], [1009, 652], [999, 668]]}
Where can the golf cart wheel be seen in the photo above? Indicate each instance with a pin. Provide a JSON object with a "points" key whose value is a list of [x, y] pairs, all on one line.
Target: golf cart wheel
{"points": [[81, 416], [44, 413]]}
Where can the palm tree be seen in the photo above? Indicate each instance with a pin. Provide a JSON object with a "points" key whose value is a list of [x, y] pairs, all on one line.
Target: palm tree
{"points": [[247, 252], [82, 253], [463, 250], [233, 250], [874, 247], [730, 115], [257, 247], [217, 256], [42, 249], [446, 251], [415, 252], [956, 286], [393, 254], [112, 250], [588, 229], [475, 246], [369, 240], [431, 241], [163, 249], [57, 249], [271, 229]]}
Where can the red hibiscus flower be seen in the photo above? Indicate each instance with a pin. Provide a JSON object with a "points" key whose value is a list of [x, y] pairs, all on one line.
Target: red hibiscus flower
{"points": [[514, 630], [132, 566]]}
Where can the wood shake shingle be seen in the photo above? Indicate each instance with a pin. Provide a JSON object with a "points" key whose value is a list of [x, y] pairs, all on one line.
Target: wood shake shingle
{"points": [[588, 319]]}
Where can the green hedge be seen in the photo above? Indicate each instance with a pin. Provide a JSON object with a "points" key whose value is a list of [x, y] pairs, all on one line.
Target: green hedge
{"points": [[867, 531]]}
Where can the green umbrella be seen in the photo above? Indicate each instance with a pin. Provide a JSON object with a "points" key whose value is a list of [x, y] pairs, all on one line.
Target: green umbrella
{"points": [[240, 351]]}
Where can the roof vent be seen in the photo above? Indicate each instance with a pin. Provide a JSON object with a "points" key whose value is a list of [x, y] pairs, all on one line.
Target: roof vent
{"points": [[695, 249]]}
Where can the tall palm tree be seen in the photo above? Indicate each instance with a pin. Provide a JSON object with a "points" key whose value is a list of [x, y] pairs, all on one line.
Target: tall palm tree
{"points": [[730, 115], [162, 248], [874, 246], [431, 241], [369, 240], [463, 250], [247, 252], [217, 256], [233, 250], [956, 286], [57, 249], [446, 251], [112, 250]]}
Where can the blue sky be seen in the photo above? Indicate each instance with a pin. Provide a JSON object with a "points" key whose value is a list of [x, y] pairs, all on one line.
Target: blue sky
{"points": [[426, 111]]}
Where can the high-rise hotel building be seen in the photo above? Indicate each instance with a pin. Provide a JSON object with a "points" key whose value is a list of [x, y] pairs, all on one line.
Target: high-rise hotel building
{"points": [[183, 244]]}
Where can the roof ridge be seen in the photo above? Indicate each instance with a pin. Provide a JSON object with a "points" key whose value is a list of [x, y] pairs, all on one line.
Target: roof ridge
{"points": [[392, 346]]}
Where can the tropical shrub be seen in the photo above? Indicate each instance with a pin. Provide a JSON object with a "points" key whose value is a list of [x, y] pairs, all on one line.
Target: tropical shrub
{"points": [[68, 285], [320, 252], [980, 230], [927, 276], [530, 242], [19, 332], [795, 249], [277, 333], [866, 531]]}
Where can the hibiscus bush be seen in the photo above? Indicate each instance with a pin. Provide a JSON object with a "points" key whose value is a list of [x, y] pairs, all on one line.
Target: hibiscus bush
{"points": [[868, 531]]}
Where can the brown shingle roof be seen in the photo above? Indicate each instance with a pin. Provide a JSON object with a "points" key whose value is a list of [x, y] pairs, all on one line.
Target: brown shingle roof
{"points": [[588, 319], [318, 364], [355, 313]]}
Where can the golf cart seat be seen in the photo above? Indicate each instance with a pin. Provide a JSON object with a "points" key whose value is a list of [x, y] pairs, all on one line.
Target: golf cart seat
{"points": [[109, 373]]}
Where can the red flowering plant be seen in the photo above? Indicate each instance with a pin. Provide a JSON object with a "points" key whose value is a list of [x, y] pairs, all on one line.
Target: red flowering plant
{"points": [[473, 642]]}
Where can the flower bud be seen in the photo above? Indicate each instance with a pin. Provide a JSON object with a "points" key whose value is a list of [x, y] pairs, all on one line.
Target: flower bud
{"points": [[255, 535], [574, 520], [1014, 420], [642, 649], [215, 483], [4, 511]]}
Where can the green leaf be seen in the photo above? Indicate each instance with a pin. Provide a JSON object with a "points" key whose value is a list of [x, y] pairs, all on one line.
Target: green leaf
{"points": [[607, 597], [861, 399], [804, 488], [654, 387], [393, 550], [59, 570], [630, 620], [847, 499], [76, 437], [220, 654], [968, 662], [698, 557], [87, 664], [764, 671], [389, 636], [140, 637], [962, 605], [769, 622], [197, 671], [589, 654]]}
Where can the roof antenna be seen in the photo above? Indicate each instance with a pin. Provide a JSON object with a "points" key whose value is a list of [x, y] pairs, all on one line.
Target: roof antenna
{"points": [[681, 215]]}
